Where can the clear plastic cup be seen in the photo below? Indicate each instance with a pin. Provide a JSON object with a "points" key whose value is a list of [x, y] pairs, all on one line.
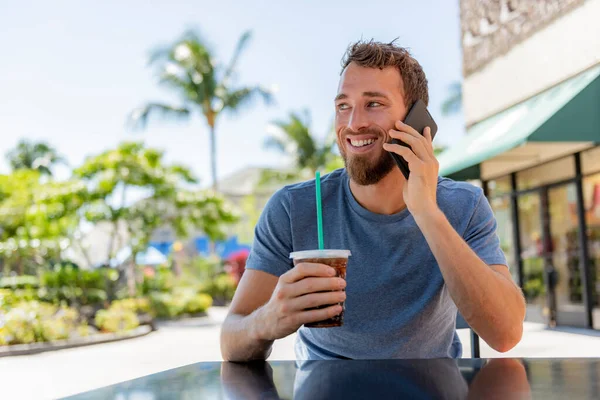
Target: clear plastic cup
{"points": [[338, 260]]}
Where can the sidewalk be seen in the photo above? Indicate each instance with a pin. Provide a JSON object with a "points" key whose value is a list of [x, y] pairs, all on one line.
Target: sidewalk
{"points": [[65, 372]]}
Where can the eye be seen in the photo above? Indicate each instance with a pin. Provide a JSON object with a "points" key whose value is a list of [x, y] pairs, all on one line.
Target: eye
{"points": [[374, 104], [342, 106]]}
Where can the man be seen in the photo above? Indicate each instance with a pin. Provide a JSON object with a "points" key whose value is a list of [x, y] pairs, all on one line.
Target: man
{"points": [[421, 248]]}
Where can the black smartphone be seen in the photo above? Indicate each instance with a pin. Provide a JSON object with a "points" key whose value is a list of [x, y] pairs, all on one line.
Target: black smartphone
{"points": [[418, 118]]}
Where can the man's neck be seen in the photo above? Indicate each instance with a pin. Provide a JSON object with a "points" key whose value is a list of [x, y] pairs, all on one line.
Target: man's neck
{"points": [[384, 197]]}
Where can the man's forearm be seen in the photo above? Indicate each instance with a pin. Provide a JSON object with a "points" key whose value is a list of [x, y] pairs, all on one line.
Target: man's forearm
{"points": [[240, 338], [490, 302]]}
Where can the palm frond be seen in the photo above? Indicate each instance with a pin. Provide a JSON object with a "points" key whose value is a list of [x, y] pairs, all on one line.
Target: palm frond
{"points": [[139, 117], [234, 101], [241, 45], [190, 91], [275, 143]]}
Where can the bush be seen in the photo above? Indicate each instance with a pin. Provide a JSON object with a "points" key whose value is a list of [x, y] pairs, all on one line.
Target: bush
{"points": [[165, 305], [163, 280], [139, 305], [116, 320], [9, 298], [35, 321], [54, 330], [19, 282], [69, 284], [198, 303], [221, 288], [181, 301], [85, 330]]}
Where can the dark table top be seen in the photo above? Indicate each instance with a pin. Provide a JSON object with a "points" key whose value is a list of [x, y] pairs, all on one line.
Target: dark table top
{"points": [[500, 378]]}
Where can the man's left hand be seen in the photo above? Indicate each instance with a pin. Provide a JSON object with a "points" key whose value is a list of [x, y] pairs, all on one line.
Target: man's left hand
{"points": [[420, 189]]}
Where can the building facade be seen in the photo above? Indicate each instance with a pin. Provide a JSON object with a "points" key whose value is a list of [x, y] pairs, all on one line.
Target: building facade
{"points": [[531, 99]]}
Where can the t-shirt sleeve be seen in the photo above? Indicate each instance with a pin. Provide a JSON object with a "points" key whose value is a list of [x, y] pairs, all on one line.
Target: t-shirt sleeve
{"points": [[481, 233], [273, 237]]}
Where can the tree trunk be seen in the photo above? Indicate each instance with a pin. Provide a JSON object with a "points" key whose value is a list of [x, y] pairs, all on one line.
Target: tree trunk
{"points": [[213, 157], [131, 284], [213, 170], [111, 243]]}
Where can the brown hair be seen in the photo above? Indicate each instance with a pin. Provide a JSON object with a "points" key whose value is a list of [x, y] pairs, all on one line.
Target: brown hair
{"points": [[373, 54]]}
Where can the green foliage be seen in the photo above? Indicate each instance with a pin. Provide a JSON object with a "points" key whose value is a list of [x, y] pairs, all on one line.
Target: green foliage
{"points": [[179, 302], [112, 174], [198, 303], [9, 297], [19, 282], [34, 321], [163, 280], [204, 268], [221, 288], [75, 286], [38, 219], [116, 320], [35, 156], [84, 330], [336, 162], [136, 305], [293, 137], [533, 274], [165, 305]]}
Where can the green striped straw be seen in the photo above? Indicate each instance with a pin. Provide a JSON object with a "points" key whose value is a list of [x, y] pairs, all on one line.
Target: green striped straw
{"points": [[319, 211]]}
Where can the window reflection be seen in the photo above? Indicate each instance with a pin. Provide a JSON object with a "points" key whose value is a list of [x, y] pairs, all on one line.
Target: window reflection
{"points": [[591, 201], [534, 288], [502, 210], [564, 228]]}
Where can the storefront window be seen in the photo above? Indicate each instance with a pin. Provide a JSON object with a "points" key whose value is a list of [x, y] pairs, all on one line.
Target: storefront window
{"points": [[551, 172], [591, 201], [502, 211], [499, 186], [590, 161], [564, 228], [530, 224]]}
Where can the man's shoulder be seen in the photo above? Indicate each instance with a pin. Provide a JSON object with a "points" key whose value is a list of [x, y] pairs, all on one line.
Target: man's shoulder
{"points": [[329, 182], [458, 193], [305, 191]]}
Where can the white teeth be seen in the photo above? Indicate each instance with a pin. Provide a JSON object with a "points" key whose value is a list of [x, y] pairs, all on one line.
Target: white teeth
{"points": [[360, 143]]}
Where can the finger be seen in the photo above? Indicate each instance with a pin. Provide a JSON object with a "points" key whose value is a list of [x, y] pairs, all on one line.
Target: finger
{"points": [[401, 126], [303, 270], [427, 135], [318, 315], [316, 300], [418, 146], [313, 285], [413, 161]]}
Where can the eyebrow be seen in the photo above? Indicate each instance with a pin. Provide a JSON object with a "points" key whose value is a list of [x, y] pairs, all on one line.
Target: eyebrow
{"points": [[342, 96]]}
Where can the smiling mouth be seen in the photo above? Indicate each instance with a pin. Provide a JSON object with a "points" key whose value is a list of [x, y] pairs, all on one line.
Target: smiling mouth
{"points": [[361, 145]]}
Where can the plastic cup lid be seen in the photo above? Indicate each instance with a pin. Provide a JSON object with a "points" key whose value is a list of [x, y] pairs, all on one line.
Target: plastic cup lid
{"points": [[325, 253]]}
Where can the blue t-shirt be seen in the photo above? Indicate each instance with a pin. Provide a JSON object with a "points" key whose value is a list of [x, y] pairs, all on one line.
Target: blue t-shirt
{"points": [[397, 304]]}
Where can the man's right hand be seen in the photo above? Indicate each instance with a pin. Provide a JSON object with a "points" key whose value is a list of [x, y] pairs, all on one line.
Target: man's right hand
{"points": [[305, 286]]}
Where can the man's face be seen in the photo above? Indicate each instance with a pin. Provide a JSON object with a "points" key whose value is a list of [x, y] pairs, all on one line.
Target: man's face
{"points": [[368, 103]]}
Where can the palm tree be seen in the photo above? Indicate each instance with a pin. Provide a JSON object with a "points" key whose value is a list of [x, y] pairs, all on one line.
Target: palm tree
{"points": [[293, 138], [453, 102], [188, 67], [38, 156]]}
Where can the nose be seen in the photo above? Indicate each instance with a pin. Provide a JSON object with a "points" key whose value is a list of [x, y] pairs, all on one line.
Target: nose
{"points": [[358, 119]]}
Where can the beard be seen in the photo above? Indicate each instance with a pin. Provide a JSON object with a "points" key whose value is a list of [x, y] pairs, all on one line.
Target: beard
{"points": [[362, 169]]}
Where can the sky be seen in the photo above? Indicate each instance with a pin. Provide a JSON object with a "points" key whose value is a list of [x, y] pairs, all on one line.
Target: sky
{"points": [[72, 71]]}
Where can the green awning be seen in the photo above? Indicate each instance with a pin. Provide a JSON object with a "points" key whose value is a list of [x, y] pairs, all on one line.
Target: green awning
{"points": [[567, 112]]}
